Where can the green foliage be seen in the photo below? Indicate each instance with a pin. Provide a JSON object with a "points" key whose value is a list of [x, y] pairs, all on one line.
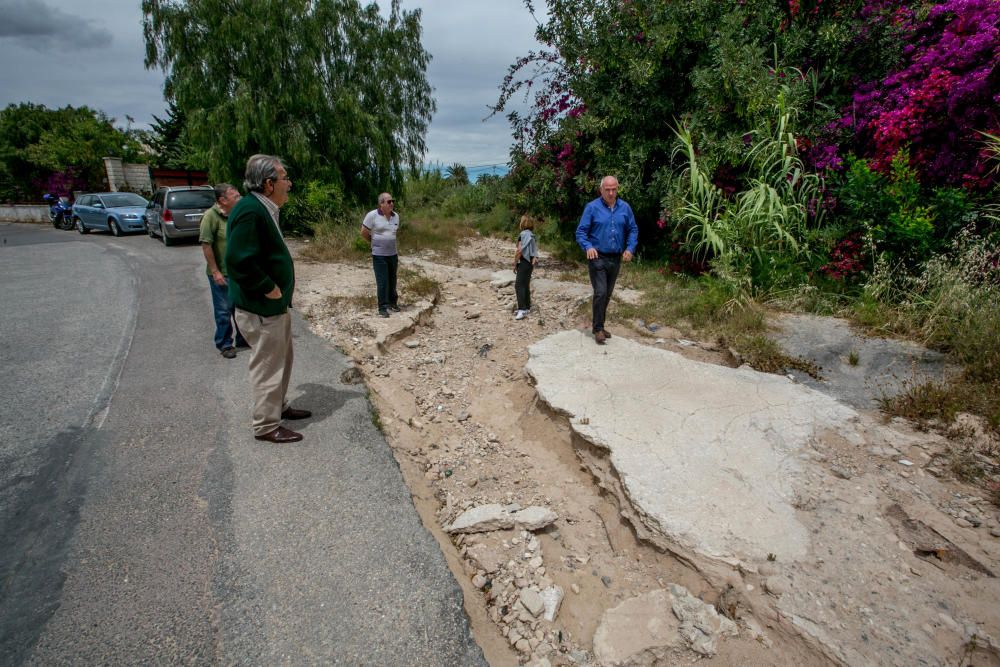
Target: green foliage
{"points": [[428, 192], [498, 221], [477, 198], [759, 236], [616, 72], [991, 211], [424, 188], [905, 222], [169, 140], [36, 141], [332, 86], [311, 205]]}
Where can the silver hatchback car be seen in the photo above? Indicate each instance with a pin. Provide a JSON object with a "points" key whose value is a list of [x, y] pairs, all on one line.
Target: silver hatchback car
{"points": [[175, 212]]}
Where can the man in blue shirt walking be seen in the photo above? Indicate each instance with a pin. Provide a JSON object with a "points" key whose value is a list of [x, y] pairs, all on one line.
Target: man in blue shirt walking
{"points": [[608, 234]]}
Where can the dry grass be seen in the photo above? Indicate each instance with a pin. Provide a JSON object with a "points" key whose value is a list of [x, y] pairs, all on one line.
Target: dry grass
{"points": [[416, 285], [343, 242], [441, 236], [340, 243], [366, 301]]}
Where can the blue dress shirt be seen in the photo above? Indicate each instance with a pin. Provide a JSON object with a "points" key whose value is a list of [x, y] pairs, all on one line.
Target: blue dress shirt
{"points": [[610, 231]]}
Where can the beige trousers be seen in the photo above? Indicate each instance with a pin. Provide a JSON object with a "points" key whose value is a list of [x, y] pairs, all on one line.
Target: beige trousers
{"points": [[270, 340]]}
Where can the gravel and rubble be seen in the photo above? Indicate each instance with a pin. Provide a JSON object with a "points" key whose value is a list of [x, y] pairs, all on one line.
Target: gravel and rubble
{"points": [[448, 384]]}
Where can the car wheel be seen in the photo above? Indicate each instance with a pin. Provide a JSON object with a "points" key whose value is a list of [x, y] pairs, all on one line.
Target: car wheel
{"points": [[167, 241], [80, 226], [113, 227], [149, 229]]}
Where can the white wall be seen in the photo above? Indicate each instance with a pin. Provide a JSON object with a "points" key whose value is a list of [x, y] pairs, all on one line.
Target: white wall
{"points": [[24, 213]]}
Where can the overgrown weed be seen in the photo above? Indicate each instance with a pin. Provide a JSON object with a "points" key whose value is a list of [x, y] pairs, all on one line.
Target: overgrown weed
{"points": [[415, 285], [923, 402], [337, 241], [952, 305], [709, 308]]}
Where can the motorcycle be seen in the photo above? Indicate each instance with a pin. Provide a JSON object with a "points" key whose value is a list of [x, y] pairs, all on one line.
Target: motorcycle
{"points": [[60, 211]]}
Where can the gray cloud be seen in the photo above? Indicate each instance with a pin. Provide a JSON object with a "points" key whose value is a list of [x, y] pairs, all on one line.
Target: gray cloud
{"points": [[473, 44], [40, 27]]}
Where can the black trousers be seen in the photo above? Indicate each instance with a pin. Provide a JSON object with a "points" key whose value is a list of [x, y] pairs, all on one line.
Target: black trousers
{"points": [[385, 280], [603, 274], [522, 284]]}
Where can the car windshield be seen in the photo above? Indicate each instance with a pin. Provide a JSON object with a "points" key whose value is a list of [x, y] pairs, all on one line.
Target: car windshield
{"points": [[123, 199], [200, 199]]}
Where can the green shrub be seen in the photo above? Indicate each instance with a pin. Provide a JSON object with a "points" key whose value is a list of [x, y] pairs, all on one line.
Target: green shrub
{"points": [[900, 219], [498, 221], [424, 189], [312, 205], [756, 239]]}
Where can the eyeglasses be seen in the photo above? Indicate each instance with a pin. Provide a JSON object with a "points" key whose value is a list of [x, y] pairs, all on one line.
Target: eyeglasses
{"points": [[389, 201]]}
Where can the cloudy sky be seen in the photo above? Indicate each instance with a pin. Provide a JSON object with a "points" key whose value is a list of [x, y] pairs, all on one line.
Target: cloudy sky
{"points": [[59, 52]]}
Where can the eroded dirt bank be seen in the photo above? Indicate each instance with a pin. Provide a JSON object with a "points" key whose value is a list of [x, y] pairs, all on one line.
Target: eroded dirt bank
{"points": [[447, 379]]}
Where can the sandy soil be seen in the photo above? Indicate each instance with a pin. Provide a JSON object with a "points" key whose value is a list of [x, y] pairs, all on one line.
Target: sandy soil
{"points": [[447, 382]]}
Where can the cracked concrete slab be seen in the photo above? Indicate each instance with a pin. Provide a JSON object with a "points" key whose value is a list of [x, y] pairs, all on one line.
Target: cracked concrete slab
{"points": [[736, 472], [668, 422]]}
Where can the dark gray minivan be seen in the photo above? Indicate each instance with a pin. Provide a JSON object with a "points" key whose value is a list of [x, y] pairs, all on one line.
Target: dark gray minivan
{"points": [[175, 212]]}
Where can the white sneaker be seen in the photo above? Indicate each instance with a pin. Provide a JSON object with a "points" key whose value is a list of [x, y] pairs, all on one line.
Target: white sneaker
{"points": [[520, 314]]}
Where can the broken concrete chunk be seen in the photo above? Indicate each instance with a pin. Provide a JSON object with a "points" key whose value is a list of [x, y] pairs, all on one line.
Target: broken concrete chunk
{"points": [[755, 482], [657, 625], [532, 601], [701, 624], [486, 518], [481, 519], [552, 596], [535, 517], [500, 280], [485, 557]]}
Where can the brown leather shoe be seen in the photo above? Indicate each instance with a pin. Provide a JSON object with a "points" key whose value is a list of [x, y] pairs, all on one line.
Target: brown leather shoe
{"points": [[607, 334], [280, 436], [295, 413], [600, 337]]}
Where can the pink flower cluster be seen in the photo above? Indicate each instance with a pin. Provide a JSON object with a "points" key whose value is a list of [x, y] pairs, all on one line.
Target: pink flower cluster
{"points": [[939, 102]]}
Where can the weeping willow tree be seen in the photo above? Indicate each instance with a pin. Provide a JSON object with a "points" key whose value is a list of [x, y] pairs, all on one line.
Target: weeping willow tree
{"points": [[336, 88]]}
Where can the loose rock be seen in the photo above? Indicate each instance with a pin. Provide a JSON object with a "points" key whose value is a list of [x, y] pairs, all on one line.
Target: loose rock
{"points": [[532, 601]]}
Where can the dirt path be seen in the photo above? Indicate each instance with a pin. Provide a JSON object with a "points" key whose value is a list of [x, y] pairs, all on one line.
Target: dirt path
{"points": [[448, 384]]}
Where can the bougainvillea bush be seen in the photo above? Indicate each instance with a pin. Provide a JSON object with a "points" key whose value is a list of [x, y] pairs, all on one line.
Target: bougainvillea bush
{"points": [[890, 100], [945, 94]]}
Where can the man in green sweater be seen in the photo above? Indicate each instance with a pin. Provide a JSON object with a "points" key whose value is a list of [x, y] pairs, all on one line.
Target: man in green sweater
{"points": [[261, 282]]}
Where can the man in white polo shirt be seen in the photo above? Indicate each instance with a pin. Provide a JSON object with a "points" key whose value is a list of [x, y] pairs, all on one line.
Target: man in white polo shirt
{"points": [[379, 229]]}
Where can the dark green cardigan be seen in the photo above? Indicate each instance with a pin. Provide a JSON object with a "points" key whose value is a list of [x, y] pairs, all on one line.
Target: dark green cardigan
{"points": [[257, 259]]}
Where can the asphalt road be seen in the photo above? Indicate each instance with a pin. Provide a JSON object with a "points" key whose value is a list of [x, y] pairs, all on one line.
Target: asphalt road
{"points": [[140, 522]]}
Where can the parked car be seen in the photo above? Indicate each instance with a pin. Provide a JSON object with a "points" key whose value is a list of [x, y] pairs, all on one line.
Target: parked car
{"points": [[115, 212], [175, 212]]}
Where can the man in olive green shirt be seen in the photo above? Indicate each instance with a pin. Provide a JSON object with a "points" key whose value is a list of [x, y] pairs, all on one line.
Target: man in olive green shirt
{"points": [[213, 245]]}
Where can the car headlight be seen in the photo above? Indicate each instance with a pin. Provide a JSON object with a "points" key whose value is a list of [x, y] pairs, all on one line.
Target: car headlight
{"points": [[130, 216]]}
